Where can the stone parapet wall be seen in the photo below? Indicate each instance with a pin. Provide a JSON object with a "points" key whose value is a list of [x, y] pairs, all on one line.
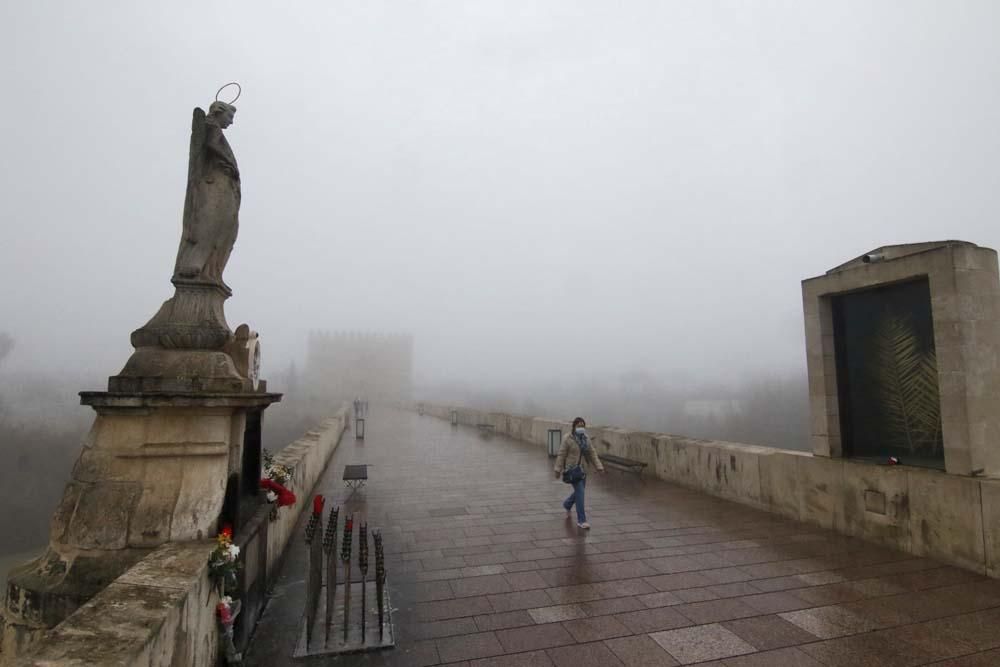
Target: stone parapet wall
{"points": [[928, 513], [161, 611], [307, 457]]}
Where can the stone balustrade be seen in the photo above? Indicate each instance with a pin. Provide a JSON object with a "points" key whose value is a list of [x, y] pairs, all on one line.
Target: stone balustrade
{"points": [[930, 513]]}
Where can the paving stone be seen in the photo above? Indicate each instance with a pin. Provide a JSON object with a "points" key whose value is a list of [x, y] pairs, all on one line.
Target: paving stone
{"points": [[827, 622], [584, 655], [772, 603], [611, 606], [562, 612], [701, 643], [438, 629], [468, 647], [784, 657], [510, 619], [519, 600], [532, 659], [651, 620], [534, 637], [640, 651], [438, 611], [473, 586], [524, 581], [664, 599], [768, 632], [597, 628], [716, 610]]}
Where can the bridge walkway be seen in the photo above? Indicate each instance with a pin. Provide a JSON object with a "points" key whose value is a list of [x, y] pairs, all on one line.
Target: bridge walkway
{"points": [[485, 571]]}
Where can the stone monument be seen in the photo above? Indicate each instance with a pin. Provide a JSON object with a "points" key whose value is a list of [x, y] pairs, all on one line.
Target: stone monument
{"points": [[177, 434], [903, 355]]}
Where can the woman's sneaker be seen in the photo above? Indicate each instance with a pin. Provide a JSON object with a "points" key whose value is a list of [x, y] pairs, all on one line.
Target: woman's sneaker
{"points": [[584, 525]]}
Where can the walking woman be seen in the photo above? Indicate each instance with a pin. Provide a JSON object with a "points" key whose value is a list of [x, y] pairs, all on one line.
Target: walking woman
{"points": [[571, 465]]}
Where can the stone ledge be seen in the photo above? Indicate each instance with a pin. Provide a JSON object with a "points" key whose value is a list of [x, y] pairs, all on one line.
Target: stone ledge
{"points": [[160, 612]]}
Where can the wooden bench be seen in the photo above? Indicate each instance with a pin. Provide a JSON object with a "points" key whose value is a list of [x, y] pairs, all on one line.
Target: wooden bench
{"points": [[622, 463]]}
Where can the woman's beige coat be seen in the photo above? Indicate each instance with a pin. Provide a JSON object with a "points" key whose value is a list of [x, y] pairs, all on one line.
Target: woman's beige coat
{"points": [[569, 453]]}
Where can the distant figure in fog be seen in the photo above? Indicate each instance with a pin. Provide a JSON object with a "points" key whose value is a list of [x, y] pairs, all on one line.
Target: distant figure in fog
{"points": [[571, 466], [357, 407]]}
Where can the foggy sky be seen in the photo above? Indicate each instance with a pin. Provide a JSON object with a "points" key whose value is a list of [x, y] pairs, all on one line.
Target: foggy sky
{"points": [[530, 188]]}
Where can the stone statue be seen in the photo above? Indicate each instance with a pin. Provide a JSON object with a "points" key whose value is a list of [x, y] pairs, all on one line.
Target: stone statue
{"points": [[187, 345], [212, 202]]}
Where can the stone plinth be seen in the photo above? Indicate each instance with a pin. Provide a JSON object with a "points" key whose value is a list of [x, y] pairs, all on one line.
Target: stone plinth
{"points": [[153, 469], [965, 309]]}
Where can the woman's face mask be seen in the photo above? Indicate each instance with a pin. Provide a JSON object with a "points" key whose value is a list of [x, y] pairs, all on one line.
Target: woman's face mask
{"points": [[580, 430]]}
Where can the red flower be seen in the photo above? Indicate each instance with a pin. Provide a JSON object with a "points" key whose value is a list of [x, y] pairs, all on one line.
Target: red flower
{"points": [[318, 504], [227, 530], [285, 497], [225, 615]]}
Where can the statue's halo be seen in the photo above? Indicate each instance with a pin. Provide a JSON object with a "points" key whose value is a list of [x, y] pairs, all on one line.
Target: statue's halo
{"points": [[239, 91]]}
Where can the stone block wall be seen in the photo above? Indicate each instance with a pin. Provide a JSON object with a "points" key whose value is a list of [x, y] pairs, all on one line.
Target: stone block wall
{"points": [[928, 513], [307, 457], [161, 611]]}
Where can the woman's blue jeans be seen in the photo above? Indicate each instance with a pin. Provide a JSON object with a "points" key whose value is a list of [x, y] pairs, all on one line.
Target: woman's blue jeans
{"points": [[577, 498]]}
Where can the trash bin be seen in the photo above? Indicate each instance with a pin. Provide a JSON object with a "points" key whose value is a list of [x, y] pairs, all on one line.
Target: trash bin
{"points": [[555, 439]]}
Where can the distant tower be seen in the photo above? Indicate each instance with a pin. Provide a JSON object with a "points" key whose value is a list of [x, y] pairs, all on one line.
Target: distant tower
{"points": [[342, 365]]}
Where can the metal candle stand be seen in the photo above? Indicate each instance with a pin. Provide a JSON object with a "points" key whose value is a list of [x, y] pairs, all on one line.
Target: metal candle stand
{"points": [[330, 547], [363, 568], [314, 579], [337, 613], [345, 555], [379, 581]]}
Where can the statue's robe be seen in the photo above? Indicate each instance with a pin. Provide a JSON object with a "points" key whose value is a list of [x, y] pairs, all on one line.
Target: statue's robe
{"points": [[211, 207]]}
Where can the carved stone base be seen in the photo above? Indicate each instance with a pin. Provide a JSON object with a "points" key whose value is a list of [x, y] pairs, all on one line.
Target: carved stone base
{"points": [[193, 319], [153, 469], [152, 369]]}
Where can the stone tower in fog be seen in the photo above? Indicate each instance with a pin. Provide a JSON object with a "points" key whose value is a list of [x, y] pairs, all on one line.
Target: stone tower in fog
{"points": [[342, 365]]}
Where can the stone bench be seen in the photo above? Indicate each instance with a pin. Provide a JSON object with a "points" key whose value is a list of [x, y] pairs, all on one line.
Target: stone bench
{"points": [[622, 463]]}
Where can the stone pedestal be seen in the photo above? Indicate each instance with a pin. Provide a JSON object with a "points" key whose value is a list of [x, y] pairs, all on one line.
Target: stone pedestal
{"points": [[964, 296], [153, 469]]}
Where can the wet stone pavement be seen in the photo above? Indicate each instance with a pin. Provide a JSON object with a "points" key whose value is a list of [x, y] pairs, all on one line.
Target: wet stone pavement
{"points": [[485, 571]]}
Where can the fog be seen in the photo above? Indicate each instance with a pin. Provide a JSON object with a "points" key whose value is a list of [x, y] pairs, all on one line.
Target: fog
{"points": [[562, 201]]}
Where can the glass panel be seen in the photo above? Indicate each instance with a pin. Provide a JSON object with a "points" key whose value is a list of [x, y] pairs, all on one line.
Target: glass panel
{"points": [[887, 374]]}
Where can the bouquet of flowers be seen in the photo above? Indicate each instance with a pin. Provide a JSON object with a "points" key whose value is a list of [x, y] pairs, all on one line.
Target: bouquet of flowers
{"points": [[227, 610], [224, 610], [223, 564], [276, 472], [276, 493], [275, 484]]}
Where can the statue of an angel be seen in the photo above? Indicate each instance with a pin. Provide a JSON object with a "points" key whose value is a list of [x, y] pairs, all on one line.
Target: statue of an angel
{"points": [[212, 203]]}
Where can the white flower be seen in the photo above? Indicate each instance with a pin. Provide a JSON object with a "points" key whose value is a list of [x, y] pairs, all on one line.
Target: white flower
{"points": [[234, 551], [227, 600], [271, 496]]}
